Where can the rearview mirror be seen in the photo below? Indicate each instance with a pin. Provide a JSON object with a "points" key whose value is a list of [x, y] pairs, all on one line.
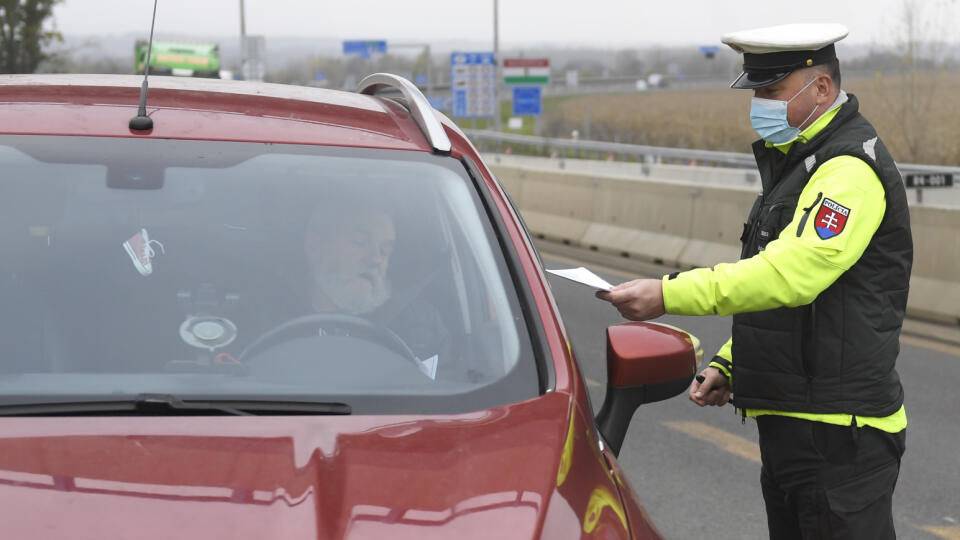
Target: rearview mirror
{"points": [[646, 362]]}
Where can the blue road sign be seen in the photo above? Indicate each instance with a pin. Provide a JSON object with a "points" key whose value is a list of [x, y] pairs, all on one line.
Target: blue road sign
{"points": [[364, 48], [472, 84], [527, 101], [421, 79], [440, 103], [321, 76]]}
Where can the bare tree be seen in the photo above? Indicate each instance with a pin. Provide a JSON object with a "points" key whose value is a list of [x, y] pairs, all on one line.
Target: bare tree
{"points": [[910, 90], [22, 35], [627, 62]]}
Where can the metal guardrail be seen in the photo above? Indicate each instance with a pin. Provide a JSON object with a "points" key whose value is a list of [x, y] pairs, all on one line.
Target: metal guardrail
{"points": [[488, 141], [628, 152]]}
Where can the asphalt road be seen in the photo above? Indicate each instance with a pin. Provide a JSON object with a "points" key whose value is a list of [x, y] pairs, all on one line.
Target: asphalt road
{"points": [[697, 470]]}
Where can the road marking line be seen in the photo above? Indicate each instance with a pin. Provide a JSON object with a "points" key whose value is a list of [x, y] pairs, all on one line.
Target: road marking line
{"points": [[591, 382], [747, 449], [950, 533], [726, 441], [930, 344]]}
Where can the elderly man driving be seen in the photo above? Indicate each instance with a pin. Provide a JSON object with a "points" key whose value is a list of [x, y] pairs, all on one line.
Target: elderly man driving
{"points": [[348, 245], [348, 254]]}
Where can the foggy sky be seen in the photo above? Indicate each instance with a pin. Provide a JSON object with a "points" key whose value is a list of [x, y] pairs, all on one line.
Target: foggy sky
{"points": [[547, 22]]}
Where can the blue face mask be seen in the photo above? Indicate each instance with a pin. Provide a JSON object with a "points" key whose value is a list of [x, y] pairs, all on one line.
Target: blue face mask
{"points": [[769, 118]]}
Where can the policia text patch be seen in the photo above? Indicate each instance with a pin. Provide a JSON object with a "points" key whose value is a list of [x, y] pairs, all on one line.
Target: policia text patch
{"points": [[831, 218]]}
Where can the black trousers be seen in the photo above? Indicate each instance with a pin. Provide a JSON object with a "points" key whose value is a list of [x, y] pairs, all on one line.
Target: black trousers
{"points": [[822, 481]]}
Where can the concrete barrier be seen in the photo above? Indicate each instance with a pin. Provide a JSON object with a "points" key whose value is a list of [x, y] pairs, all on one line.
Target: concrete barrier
{"points": [[935, 286], [689, 225], [700, 175]]}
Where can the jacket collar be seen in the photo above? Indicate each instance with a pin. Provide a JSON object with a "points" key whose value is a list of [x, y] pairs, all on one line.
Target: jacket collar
{"points": [[771, 160], [817, 126]]}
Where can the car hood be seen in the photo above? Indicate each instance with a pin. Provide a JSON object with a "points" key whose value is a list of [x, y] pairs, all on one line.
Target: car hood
{"points": [[487, 474]]}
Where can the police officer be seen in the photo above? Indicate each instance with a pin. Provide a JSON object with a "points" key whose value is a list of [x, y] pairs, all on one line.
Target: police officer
{"points": [[817, 298]]}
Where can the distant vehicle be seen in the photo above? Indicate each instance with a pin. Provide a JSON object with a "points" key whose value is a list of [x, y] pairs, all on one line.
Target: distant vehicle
{"points": [[179, 59], [656, 80]]}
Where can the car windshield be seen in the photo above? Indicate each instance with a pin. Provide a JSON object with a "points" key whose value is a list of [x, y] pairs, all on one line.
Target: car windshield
{"points": [[253, 271]]}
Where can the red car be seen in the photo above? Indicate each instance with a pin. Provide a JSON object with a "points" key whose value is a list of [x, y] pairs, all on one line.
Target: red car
{"points": [[267, 311]]}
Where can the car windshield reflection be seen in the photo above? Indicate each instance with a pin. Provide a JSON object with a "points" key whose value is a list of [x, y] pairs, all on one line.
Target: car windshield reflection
{"points": [[243, 269]]}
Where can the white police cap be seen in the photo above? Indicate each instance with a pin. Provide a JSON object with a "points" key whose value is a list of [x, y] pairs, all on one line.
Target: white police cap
{"points": [[770, 54]]}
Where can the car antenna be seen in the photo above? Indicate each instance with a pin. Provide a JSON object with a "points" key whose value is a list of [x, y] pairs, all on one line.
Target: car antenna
{"points": [[142, 122]]}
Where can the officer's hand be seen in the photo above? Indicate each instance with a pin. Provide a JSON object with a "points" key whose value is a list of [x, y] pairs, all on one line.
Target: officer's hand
{"points": [[637, 300], [714, 390]]}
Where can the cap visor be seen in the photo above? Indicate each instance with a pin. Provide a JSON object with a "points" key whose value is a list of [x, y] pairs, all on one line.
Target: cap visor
{"points": [[757, 80]]}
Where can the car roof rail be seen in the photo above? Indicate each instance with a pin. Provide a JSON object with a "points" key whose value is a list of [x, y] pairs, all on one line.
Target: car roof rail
{"points": [[416, 103]]}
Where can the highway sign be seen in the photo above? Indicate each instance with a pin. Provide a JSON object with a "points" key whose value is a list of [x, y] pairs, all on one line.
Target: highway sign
{"points": [[254, 54], [364, 48], [472, 84], [441, 103], [526, 100], [526, 71], [709, 51], [928, 180]]}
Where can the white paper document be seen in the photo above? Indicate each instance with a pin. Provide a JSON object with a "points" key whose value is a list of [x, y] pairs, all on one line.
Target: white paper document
{"points": [[584, 276]]}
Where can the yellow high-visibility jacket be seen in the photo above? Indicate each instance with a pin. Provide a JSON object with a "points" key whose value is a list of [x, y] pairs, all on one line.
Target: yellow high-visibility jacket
{"points": [[792, 270]]}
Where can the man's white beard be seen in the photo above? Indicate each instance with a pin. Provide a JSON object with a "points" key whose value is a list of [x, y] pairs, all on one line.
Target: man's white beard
{"points": [[336, 287]]}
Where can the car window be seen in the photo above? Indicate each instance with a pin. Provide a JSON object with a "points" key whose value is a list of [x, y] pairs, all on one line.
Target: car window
{"points": [[199, 268]]}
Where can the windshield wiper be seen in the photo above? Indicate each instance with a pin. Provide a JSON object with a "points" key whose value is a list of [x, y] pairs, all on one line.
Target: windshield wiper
{"points": [[168, 405]]}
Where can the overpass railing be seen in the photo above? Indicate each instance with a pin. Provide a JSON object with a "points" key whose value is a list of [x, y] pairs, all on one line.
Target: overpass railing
{"points": [[492, 141]]}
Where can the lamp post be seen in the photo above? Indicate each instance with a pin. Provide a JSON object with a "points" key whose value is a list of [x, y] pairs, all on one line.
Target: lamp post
{"points": [[243, 39], [496, 67]]}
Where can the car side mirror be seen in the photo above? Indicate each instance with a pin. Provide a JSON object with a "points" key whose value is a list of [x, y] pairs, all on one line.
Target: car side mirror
{"points": [[646, 362]]}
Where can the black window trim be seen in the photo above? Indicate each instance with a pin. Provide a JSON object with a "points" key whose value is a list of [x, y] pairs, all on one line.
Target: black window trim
{"points": [[541, 347]]}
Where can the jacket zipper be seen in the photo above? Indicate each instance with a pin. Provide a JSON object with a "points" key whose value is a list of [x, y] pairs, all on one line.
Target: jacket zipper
{"points": [[753, 226], [808, 350], [760, 229], [757, 226]]}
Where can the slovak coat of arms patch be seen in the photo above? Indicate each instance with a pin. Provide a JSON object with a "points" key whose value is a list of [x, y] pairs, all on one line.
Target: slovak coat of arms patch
{"points": [[831, 218]]}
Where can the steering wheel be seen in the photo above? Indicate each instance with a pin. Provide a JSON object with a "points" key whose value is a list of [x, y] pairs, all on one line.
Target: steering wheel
{"points": [[367, 330]]}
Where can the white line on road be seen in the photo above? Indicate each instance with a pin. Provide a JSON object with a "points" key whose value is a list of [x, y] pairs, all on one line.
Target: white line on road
{"points": [[749, 450], [718, 437], [931, 345], [950, 533]]}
